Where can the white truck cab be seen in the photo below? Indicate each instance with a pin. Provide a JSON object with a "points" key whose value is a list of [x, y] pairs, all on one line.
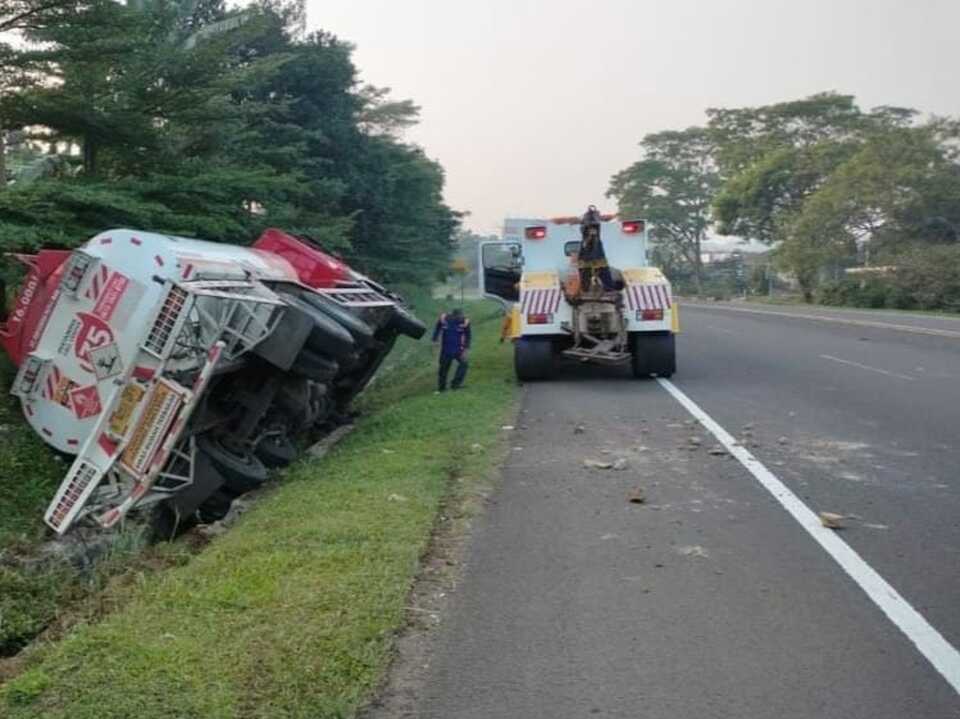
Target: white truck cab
{"points": [[537, 272]]}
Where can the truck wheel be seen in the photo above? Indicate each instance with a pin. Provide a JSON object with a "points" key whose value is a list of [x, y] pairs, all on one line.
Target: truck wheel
{"points": [[361, 333], [326, 337], [164, 524], [241, 472], [313, 366], [653, 354], [532, 358], [276, 451], [406, 323], [214, 508]]}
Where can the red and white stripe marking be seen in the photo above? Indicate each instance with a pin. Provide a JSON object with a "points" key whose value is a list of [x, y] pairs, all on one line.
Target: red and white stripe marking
{"points": [[98, 282], [648, 297], [536, 302]]}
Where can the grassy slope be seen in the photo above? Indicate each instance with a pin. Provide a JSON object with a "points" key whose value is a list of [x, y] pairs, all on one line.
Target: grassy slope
{"points": [[291, 613], [29, 472]]}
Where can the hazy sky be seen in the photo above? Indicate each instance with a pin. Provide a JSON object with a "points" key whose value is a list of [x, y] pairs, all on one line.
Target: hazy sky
{"points": [[531, 105]]}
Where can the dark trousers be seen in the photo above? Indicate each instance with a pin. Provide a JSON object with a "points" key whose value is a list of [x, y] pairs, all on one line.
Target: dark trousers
{"points": [[444, 370]]}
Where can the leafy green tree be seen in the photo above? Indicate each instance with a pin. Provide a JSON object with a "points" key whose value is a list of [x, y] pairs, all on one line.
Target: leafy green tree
{"points": [[672, 187], [186, 117], [744, 136]]}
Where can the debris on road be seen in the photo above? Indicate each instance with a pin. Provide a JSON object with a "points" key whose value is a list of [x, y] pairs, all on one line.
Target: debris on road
{"points": [[717, 451], [694, 550], [619, 465], [637, 496], [597, 464], [579, 429], [783, 440], [831, 520]]}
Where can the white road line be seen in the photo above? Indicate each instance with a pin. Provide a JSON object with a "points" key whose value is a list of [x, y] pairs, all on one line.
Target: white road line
{"points": [[931, 644], [868, 367], [837, 320]]}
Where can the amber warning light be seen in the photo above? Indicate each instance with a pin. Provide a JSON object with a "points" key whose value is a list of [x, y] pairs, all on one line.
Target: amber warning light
{"points": [[632, 227], [535, 233]]}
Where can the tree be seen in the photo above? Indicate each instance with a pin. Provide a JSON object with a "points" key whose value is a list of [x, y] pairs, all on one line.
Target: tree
{"points": [[186, 117], [672, 187], [744, 136]]}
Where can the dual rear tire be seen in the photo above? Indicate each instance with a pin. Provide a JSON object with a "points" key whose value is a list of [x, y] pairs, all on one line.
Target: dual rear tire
{"points": [[653, 353], [533, 358]]}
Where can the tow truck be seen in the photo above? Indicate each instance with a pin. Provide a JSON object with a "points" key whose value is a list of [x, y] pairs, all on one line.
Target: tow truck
{"points": [[610, 309], [176, 371]]}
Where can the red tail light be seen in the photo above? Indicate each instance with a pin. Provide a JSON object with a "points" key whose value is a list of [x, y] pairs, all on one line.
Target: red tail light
{"points": [[540, 318], [535, 233], [650, 315], [633, 227]]}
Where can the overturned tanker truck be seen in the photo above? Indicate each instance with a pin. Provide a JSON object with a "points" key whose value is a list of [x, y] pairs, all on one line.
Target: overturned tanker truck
{"points": [[178, 371]]}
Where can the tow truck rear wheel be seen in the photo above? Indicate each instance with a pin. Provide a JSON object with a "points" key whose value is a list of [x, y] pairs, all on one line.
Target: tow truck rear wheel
{"points": [[653, 354], [533, 358]]}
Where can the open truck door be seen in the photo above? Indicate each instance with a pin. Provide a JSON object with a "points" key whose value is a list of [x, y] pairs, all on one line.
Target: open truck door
{"points": [[501, 267]]}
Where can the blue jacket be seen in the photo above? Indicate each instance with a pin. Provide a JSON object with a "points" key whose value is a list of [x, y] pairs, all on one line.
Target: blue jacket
{"points": [[455, 335]]}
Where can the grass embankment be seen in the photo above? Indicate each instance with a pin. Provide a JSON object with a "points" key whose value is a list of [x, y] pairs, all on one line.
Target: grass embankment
{"points": [[29, 474], [797, 301], [291, 613]]}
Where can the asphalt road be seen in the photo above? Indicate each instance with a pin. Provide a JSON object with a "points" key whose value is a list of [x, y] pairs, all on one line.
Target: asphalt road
{"points": [[710, 600]]}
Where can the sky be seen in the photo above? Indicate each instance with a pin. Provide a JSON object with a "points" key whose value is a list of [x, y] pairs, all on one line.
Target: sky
{"points": [[532, 105]]}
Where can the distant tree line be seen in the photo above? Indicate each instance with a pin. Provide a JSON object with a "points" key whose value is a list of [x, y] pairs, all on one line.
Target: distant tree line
{"points": [[189, 117], [827, 185]]}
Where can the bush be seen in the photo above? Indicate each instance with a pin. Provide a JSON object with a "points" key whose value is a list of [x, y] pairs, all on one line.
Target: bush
{"points": [[927, 278], [930, 277]]}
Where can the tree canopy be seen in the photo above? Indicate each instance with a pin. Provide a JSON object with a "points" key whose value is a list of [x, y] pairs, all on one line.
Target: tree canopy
{"points": [[672, 187], [818, 179], [185, 117]]}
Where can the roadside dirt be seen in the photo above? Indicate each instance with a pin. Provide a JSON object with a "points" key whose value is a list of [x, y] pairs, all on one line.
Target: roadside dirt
{"points": [[435, 586]]}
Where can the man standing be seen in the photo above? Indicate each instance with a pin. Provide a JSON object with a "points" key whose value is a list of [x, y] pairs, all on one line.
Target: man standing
{"points": [[453, 331]]}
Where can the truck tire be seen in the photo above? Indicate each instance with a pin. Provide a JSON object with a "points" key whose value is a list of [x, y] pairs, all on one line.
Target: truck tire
{"points": [[314, 366], [164, 524], [361, 333], [406, 323], [214, 508], [326, 337], [653, 354], [276, 451], [532, 358], [241, 472]]}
